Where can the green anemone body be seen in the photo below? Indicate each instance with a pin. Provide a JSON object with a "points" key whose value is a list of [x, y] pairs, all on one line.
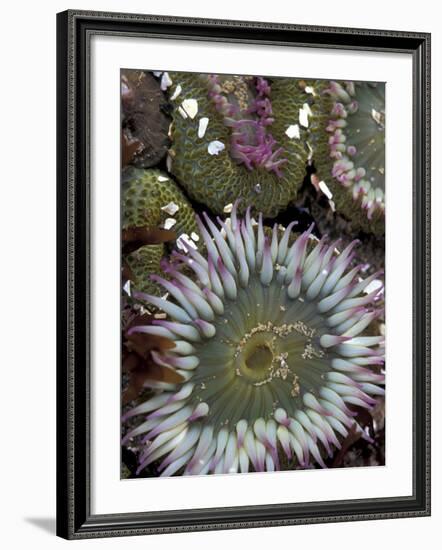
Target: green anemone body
{"points": [[142, 263], [218, 180], [321, 104], [145, 194]]}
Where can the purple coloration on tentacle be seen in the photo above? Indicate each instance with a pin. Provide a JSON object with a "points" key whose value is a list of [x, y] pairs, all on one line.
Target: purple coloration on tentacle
{"points": [[356, 142], [259, 325], [251, 142]]}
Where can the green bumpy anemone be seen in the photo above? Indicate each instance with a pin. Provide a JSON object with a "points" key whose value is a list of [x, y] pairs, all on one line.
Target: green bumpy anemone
{"points": [[142, 263], [238, 138], [349, 151], [152, 200], [149, 197]]}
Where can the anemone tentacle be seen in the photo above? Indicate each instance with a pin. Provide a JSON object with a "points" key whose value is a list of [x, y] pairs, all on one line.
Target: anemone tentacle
{"points": [[271, 342]]}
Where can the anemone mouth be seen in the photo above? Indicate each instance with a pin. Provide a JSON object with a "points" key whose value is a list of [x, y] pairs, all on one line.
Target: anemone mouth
{"points": [[357, 141], [265, 349], [268, 338], [256, 359]]}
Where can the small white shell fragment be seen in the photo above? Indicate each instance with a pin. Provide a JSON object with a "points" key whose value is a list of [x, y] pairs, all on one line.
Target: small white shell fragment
{"points": [[169, 223], [157, 73], [374, 285], [194, 236], [304, 113], [215, 147], [202, 126], [160, 316], [182, 112], [376, 116], [184, 242], [170, 208], [162, 178], [306, 107], [228, 208], [332, 205], [303, 118], [169, 163], [324, 188], [190, 106], [165, 82], [126, 288], [176, 92], [293, 131], [257, 188], [309, 90]]}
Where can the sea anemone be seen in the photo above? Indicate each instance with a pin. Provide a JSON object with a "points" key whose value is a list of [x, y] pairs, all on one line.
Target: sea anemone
{"points": [[270, 336], [238, 137], [150, 198], [355, 150], [154, 212], [141, 262]]}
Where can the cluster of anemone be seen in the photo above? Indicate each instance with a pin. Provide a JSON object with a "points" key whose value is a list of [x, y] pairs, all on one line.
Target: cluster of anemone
{"points": [[356, 144], [271, 339], [253, 138]]}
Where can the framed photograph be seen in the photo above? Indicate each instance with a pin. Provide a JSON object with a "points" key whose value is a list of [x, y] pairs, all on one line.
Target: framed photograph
{"points": [[243, 274]]}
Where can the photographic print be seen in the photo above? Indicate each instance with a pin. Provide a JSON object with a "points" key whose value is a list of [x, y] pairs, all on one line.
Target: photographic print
{"points": [[252, 261], [225, 230]]}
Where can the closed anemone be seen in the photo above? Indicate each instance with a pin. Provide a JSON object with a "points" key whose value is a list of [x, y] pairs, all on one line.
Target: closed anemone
{"points": [[233, 144], [270, 337]]}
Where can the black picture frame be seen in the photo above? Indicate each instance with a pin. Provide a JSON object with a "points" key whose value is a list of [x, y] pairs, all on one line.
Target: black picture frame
{"points": [[74, 518]]}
